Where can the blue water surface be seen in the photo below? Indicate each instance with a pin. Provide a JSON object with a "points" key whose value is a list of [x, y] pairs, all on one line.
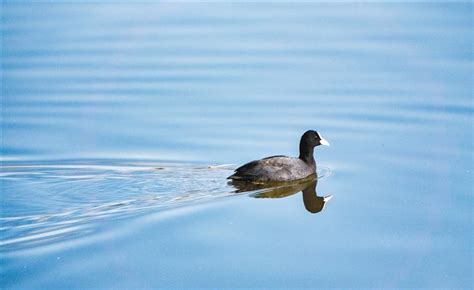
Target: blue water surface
{"points": [[121, 121]]}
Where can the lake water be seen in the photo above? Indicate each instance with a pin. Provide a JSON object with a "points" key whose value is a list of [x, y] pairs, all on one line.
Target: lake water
{"points": [[120, 123]]}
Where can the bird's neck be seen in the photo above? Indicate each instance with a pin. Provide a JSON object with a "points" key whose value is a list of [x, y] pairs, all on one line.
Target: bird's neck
{"points": [[307, 155]]}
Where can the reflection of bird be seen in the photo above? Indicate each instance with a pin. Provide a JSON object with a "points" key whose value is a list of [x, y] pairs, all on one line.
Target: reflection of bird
{"points": [[312, 202], [283, 168]]}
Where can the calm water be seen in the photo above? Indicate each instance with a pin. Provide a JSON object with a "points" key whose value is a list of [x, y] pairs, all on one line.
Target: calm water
{"points": [[121, 122]]}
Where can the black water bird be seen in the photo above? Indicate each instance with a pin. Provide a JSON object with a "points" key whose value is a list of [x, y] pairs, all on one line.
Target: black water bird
{"points": [[283, 168]]}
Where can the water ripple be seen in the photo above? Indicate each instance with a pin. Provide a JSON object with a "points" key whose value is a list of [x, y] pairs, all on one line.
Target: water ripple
{"points": [[49, 202]]}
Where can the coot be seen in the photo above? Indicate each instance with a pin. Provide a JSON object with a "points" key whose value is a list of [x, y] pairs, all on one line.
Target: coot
{"points": [[283, 168]]}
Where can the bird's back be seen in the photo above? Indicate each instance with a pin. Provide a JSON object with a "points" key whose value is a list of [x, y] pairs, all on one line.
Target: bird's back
{"points": [[274, 168]]}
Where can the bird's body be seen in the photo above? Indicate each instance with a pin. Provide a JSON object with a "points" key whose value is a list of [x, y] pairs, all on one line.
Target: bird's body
{"points": [[274, 168], [283, 168]]}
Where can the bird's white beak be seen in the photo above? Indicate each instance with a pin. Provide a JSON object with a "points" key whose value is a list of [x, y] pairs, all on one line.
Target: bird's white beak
{"points": [[327, 198], [324, 142]]}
